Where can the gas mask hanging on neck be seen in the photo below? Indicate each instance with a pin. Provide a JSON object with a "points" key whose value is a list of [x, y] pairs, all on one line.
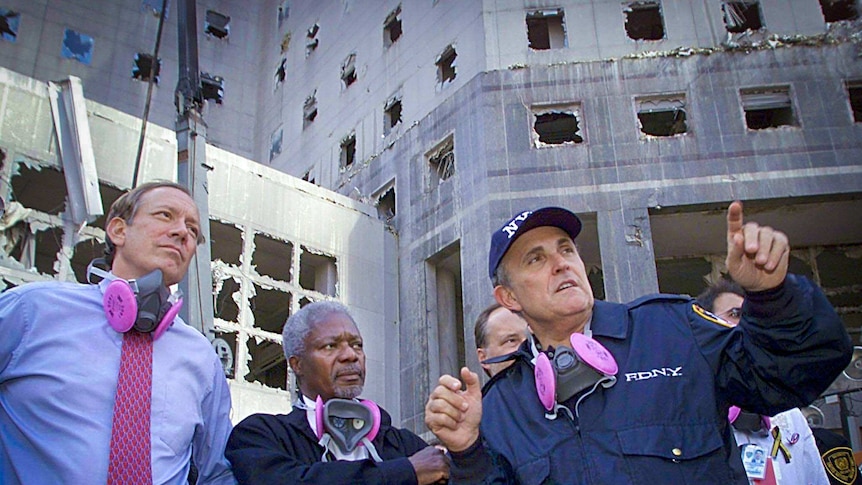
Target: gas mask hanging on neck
{"points": [[347, 424]]}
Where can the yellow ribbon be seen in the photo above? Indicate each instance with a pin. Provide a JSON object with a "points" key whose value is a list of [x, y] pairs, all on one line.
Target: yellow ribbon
{"points": [[777, 444]]}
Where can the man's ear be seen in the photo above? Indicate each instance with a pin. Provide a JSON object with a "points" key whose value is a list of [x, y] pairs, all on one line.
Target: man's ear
{"points": [[116, 231], [506, 298], [295, 366]]}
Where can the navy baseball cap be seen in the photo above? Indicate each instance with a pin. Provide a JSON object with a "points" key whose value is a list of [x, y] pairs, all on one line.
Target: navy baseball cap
{"points": [[503, 238]]}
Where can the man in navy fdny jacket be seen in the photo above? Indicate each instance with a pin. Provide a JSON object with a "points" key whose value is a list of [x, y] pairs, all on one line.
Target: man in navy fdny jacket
{"points": [[651, 406]]}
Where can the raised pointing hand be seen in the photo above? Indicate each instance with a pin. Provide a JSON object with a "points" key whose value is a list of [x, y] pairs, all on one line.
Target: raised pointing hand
{"points": [[757, 256]]}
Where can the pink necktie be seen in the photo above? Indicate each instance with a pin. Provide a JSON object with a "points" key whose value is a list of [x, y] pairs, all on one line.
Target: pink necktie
{"points": [[129, 461]]}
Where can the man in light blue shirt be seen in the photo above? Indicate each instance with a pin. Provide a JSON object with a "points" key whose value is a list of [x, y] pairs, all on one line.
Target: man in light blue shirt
{"points": [[60, 357]]}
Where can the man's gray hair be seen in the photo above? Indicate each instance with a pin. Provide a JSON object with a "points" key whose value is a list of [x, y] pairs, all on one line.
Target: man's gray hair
{"points": [[300, 324]]}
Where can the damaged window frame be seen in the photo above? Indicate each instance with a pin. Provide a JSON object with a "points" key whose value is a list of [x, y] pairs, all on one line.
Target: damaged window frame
{"points": [[446, 66], [385, 202], [309, 110], [737, 15], [281, 73], [546, 29], [854, 99], [440, 161], [11, 23], [216, 24], [652, 111], [392, 28], [393, 114], [644, 20], [311, 40], [348, 71], [143, 67], [543, 116], [347, 152], [70, 51], [768, 107], [839, 10]]}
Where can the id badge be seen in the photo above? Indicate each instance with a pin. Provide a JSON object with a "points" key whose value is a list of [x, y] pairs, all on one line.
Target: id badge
{"points": [[754, 461]]}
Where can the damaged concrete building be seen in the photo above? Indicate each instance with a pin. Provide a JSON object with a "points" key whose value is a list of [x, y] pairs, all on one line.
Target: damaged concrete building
{"points": [[439, 119]]}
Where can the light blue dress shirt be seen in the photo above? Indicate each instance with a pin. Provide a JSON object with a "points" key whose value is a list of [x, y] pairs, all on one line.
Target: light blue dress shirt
{"points": [[59, 360]]}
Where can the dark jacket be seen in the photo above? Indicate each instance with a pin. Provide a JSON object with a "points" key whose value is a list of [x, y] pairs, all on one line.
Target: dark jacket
{"points": [[665, 419], [280, 449]]}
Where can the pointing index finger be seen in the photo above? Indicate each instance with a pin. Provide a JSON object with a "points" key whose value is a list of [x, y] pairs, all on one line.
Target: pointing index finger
{"points": [[734, 220]]}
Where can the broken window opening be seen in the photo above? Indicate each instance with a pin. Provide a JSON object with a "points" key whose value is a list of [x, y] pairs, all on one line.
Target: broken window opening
{"points": [[145, 69], [43, 189], [225, 307], [311, 40], [854, 93], [446, 65], [109, 195], [272, 257], [212, 87], [386, 203], [662, 116], [743, 15], [309, 177], [267, 365], [392, 27], [283, 13], [767, 107], [225, 242], [391, 114], [682, 275], [226, 354], [217, 24], [270, 307], [281, 72], [441, 161], [9, 22], [85, 252], [309, 109], [546, 29], [838, 10], [348, 70], [317, 271], [558, 127], [275, 140], [44, 250], [445, 308], [644, 21], [348, 151], [77, 46]]}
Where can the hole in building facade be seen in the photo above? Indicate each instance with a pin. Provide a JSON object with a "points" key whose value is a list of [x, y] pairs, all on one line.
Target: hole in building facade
{"points": [[272, 257], [644, 21], [217, 24], [767, 107], [212, 87], [225, 307], [270, 307], [85, 251], [9, 22], [43, 189], [318, 272], [275, 141], [225, 242], [146, 68], [662, 115], [109, 195], [445, 308], [311, 40], [446, 65], [348, 151], [441, 161], [557, 126], [267, 365], [348, 70], [838, 10], [391, 114], [385, 202], [546, 29], [392, 27], [854, 95], [309, 109], [308, 176], [77, 46], [281, 72], [740, 16]]}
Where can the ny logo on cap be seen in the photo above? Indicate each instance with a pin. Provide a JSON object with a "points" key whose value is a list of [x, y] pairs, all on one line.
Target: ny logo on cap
{"points": [[512, 226]]}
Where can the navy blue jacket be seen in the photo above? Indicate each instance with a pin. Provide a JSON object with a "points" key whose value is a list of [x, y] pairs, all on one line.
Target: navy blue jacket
{"points": [[665, 419], [279, 449]]}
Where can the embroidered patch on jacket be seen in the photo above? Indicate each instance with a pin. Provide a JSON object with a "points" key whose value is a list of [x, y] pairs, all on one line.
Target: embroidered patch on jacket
{"points": [[709, 316], [840, 465]]}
